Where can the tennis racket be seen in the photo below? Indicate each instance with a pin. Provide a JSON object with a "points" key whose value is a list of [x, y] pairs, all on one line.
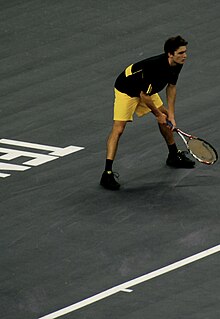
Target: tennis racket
{"points": [[199, 148]]}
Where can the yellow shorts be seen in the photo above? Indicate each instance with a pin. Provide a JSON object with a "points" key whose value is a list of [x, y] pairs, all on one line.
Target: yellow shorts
{"points": [[125, 106]]}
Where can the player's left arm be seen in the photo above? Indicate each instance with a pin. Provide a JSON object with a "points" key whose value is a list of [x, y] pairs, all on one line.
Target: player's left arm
{"points": [[171, 99]]}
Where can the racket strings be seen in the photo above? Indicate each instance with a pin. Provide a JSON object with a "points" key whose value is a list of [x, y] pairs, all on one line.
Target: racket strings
{"points": [[202, 150]]}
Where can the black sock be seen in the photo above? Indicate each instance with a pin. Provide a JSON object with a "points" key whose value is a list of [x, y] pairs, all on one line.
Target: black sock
{"points": [[172, 149], [108, 165]]}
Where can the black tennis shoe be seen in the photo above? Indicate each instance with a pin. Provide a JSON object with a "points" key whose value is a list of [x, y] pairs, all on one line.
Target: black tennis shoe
{"points": [[180, 160], [108, 180]]}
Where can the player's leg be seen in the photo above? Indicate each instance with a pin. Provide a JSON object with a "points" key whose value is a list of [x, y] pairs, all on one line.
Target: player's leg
{"points": [[113, 139], [108, 177], [176, 158], [166, 132], [124, 108]]}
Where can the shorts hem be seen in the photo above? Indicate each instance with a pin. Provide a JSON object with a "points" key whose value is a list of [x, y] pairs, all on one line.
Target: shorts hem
{"points": [[123, 120]]}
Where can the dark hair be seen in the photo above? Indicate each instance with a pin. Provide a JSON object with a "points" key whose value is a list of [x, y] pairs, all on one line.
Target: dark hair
{"points": [[172, 44]]}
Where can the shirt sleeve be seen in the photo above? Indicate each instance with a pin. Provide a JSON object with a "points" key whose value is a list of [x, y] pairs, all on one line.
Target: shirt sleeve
{"points": [[174, 74]]}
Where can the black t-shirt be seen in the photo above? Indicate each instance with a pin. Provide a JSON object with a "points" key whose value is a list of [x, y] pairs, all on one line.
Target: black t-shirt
{"points": [[150, 76]]}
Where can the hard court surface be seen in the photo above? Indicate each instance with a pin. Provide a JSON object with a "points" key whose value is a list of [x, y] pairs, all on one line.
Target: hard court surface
{"points": [[63, 238]]}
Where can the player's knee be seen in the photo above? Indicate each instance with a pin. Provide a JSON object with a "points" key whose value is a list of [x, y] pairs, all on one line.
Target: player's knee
{"points": [[118, 128]]}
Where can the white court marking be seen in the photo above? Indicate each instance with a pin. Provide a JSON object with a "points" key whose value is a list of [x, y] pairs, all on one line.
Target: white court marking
{"points": [[125, 286], [36, 158]]}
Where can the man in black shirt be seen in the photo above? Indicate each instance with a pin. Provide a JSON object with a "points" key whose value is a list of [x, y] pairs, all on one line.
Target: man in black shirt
{"points": [[136, 91]]}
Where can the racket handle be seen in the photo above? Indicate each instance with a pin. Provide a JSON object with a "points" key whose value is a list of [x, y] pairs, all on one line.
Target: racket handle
{"points": [[169, 123]]}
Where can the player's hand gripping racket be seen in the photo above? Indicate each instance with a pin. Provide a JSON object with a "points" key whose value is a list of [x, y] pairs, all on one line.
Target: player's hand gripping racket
{"points": [[200, 149]]}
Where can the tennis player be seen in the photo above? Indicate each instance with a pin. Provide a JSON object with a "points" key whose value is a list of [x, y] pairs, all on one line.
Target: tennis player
{"points": [[136, 91]]}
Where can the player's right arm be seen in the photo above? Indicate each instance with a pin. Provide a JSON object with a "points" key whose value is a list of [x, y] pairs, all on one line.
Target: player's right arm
{"points": [[161, 117]]}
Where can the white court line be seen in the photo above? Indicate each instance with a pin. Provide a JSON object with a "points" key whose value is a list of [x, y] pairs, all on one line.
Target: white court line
{"points": [[56, 151], [125, 286]]}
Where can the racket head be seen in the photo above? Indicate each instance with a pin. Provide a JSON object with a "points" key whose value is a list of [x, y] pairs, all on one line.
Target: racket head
{"points": [[203, 151]]}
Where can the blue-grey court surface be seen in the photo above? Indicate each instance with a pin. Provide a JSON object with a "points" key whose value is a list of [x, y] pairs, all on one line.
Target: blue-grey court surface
{"points": [[62, 237]]}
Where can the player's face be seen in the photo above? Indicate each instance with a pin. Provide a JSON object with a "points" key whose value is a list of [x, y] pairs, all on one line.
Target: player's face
{"points": [[179, 56]]}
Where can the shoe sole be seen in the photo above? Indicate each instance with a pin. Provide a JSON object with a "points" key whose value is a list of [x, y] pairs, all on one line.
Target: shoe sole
{"points": [[110, 188]]}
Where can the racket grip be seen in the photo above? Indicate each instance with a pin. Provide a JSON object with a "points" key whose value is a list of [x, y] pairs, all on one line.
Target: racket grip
{"points": [[169, 123]]}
